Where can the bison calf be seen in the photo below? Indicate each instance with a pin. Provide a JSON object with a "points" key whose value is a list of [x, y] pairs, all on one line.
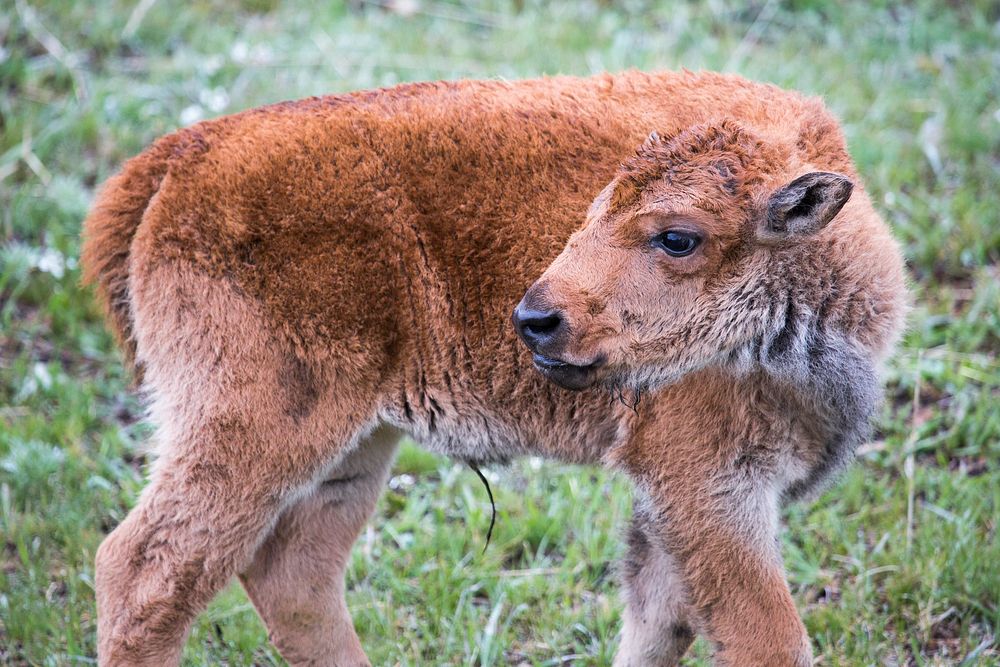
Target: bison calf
{"points": [[299, 285]]}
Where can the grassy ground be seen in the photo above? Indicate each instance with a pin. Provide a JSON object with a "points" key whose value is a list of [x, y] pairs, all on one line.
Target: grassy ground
{"points": [[897, 564]]}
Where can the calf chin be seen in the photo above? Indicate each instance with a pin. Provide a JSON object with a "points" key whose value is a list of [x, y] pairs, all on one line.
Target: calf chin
{"points": [[568, 376]]}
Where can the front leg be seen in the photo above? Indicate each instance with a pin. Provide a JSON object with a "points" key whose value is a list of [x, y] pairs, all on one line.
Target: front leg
{"points": [[659, 623], [721, 531]]}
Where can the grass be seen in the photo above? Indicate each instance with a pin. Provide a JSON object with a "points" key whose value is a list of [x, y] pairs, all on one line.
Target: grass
{"points": [[897, 564]]}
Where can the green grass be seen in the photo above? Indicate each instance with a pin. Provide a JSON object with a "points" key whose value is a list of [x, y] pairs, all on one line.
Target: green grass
{"points": [[897, 564]]}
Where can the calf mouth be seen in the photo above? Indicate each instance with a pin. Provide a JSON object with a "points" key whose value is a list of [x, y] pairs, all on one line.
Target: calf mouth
{"points": [[565, 374]]}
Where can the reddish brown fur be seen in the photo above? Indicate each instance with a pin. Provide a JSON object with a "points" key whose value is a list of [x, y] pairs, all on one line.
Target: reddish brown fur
{"points": [[301, 283]]}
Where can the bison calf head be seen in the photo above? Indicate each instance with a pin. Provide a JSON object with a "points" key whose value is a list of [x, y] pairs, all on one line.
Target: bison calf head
{"points": [[691, 255]]}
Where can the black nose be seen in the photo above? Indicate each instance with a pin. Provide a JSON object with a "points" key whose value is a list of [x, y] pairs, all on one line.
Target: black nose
{"points": [[535, 327]]}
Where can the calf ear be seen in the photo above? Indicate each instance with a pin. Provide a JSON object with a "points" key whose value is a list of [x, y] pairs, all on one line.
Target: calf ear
{"points": [[600, 204], [805, 205]]}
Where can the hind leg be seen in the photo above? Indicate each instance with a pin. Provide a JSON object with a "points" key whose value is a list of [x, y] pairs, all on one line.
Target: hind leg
{"points": [[198, 523], [296, 579], [245, 426]]}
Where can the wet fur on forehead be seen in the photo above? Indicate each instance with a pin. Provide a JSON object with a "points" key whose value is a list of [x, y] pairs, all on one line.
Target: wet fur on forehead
{"points": [[720, 158]]}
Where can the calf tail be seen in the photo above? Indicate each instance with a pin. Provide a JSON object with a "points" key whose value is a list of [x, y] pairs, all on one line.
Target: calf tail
{"points": [[107, 238]]}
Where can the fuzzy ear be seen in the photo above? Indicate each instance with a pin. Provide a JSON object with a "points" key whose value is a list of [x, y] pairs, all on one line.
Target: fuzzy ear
{"points": [[600, 204], [805, 205]]}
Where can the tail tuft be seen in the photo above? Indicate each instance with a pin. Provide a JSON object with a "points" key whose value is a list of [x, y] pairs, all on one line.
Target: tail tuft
{"points": [[107, 237]]}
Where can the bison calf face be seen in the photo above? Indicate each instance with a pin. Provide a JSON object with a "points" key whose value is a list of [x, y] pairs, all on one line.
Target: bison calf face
{"points": [[683, 260]]}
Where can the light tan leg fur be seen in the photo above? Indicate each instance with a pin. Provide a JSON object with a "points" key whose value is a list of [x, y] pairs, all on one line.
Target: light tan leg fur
{"points": [[245, 428], [659, 624], [296, 580], [726, 548]]}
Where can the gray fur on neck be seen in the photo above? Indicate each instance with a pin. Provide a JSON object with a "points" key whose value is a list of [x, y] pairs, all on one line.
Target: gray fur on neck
{"points": [[835, 380]]}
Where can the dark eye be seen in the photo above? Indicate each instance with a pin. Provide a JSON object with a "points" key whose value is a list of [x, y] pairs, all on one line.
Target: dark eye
{"points": [[677, 243]]}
